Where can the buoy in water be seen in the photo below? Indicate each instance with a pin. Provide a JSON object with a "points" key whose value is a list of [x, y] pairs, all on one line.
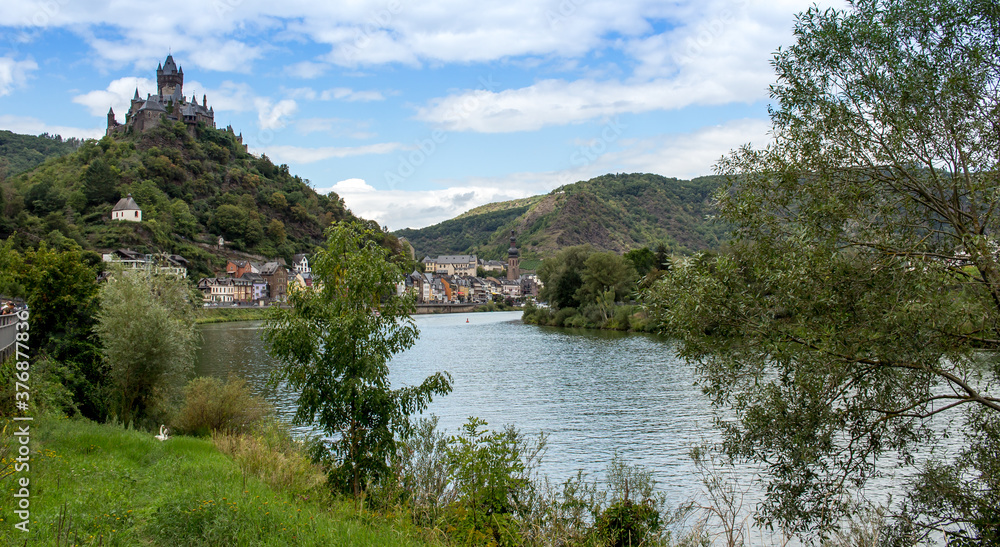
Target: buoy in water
{"points": [[466, 319]]}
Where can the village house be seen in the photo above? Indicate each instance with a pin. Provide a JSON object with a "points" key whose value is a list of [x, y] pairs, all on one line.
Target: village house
{"points": [[242, 290], [258, 286], [162, 263], [300, 263], [276, 277], [494, 266], [126, 209], [451, 265], [217, 290]]}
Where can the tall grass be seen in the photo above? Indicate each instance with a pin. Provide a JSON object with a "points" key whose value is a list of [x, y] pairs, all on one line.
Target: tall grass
{"points": [[97, 484]]}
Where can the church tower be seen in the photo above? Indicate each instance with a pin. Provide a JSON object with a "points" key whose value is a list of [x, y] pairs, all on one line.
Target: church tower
{"points": [[169, 80], [513, 260]]}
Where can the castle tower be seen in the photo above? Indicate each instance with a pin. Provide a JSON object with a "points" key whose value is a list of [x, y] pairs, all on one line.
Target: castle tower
{"points": [[169, 79], [513, 260]]}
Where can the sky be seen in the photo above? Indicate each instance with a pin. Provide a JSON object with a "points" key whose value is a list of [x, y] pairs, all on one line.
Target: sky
{"points": [[415, 112]]}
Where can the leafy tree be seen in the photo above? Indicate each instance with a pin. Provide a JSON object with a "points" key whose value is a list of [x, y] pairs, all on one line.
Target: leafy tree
{"points": [[334, 345], [562, 276], [231, 221], [60, 288], [276, 231], [99, 182], [863, 284], [643, 260], [146, 328], [604, 273]]}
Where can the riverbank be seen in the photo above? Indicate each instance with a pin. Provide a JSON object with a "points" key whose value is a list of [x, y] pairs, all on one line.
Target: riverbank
{"points": [[625, 317], [226, 315], [94, 484]]}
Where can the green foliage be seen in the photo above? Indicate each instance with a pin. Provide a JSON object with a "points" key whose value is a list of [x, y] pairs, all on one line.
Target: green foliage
{"points": [[99, 182], [211, 405], [489, 476], [626, 523], [60, 288], [562, 277], [146, 328], [334, 345], [863, 283], [20, 153]]}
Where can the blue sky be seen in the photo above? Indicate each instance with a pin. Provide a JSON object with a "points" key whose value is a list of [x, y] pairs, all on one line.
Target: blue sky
{"points": [[416, 112]]}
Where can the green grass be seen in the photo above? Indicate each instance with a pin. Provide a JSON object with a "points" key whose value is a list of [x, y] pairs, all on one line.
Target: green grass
{"points": [[95, 484], [226, 315]]}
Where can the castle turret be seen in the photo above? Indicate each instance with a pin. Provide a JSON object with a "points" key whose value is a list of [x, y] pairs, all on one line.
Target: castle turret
{"points": [[168, 78], [112, 122]]}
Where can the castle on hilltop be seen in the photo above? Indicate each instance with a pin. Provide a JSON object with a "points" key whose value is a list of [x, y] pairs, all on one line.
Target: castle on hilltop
{"points": [[169, 103]]}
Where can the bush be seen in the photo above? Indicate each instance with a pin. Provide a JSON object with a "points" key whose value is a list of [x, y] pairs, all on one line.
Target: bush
{"points": [[562, 315], [628, 523], [270, 454], [211, 405]]}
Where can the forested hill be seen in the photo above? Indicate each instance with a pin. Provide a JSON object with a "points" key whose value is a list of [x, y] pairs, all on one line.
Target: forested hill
{"points": [[190, 190], [18, 153], [614, 212]]}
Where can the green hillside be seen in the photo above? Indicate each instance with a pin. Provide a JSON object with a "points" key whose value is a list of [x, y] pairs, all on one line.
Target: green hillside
{"points": [[191, 189], [19, 153], [614, 212]]}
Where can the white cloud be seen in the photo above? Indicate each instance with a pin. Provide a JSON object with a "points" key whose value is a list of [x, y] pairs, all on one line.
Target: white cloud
{"points": [[403, 209], [118, 95], [271, 115], [352, 186], [26, 125], [673, 155], [688, 155], [350, 95], [14, 73], [558, 102], [306, 69], [336, 127], [300, 155]]}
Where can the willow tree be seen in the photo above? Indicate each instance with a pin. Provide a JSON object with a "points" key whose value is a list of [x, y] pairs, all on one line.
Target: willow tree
{"points": [[860, 301], [334, 344]]}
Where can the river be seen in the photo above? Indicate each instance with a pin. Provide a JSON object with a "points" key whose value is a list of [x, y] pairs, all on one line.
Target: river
{"points": [[592, 392]]}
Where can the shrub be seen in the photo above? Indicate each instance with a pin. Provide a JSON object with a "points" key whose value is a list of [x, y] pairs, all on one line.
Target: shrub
{"points": [[628, 523], [270, 454], [212, 405], [562, 315]]}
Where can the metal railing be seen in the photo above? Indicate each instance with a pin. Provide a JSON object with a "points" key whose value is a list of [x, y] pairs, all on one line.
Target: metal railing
{"points": [[8, 330]]}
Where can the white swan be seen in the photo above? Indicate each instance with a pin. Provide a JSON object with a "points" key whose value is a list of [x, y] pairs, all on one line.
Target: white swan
{"points": [[163, 433]]}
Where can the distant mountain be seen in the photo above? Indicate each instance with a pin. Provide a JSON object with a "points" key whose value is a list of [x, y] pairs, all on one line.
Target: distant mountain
{"points": [[615, 212], [19, 153], [191, 188]]}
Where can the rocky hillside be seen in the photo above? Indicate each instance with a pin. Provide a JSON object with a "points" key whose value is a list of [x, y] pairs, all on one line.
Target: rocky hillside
{"points": [[191, 189], [616, 212]]}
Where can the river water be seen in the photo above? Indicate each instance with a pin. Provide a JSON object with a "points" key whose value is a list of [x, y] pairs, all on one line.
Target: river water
{"points": [[592, 392]]}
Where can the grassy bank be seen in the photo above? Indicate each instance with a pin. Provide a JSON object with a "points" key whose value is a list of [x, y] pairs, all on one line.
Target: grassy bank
{"points": [[226, 315], [93, 484], [627, 317]]}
